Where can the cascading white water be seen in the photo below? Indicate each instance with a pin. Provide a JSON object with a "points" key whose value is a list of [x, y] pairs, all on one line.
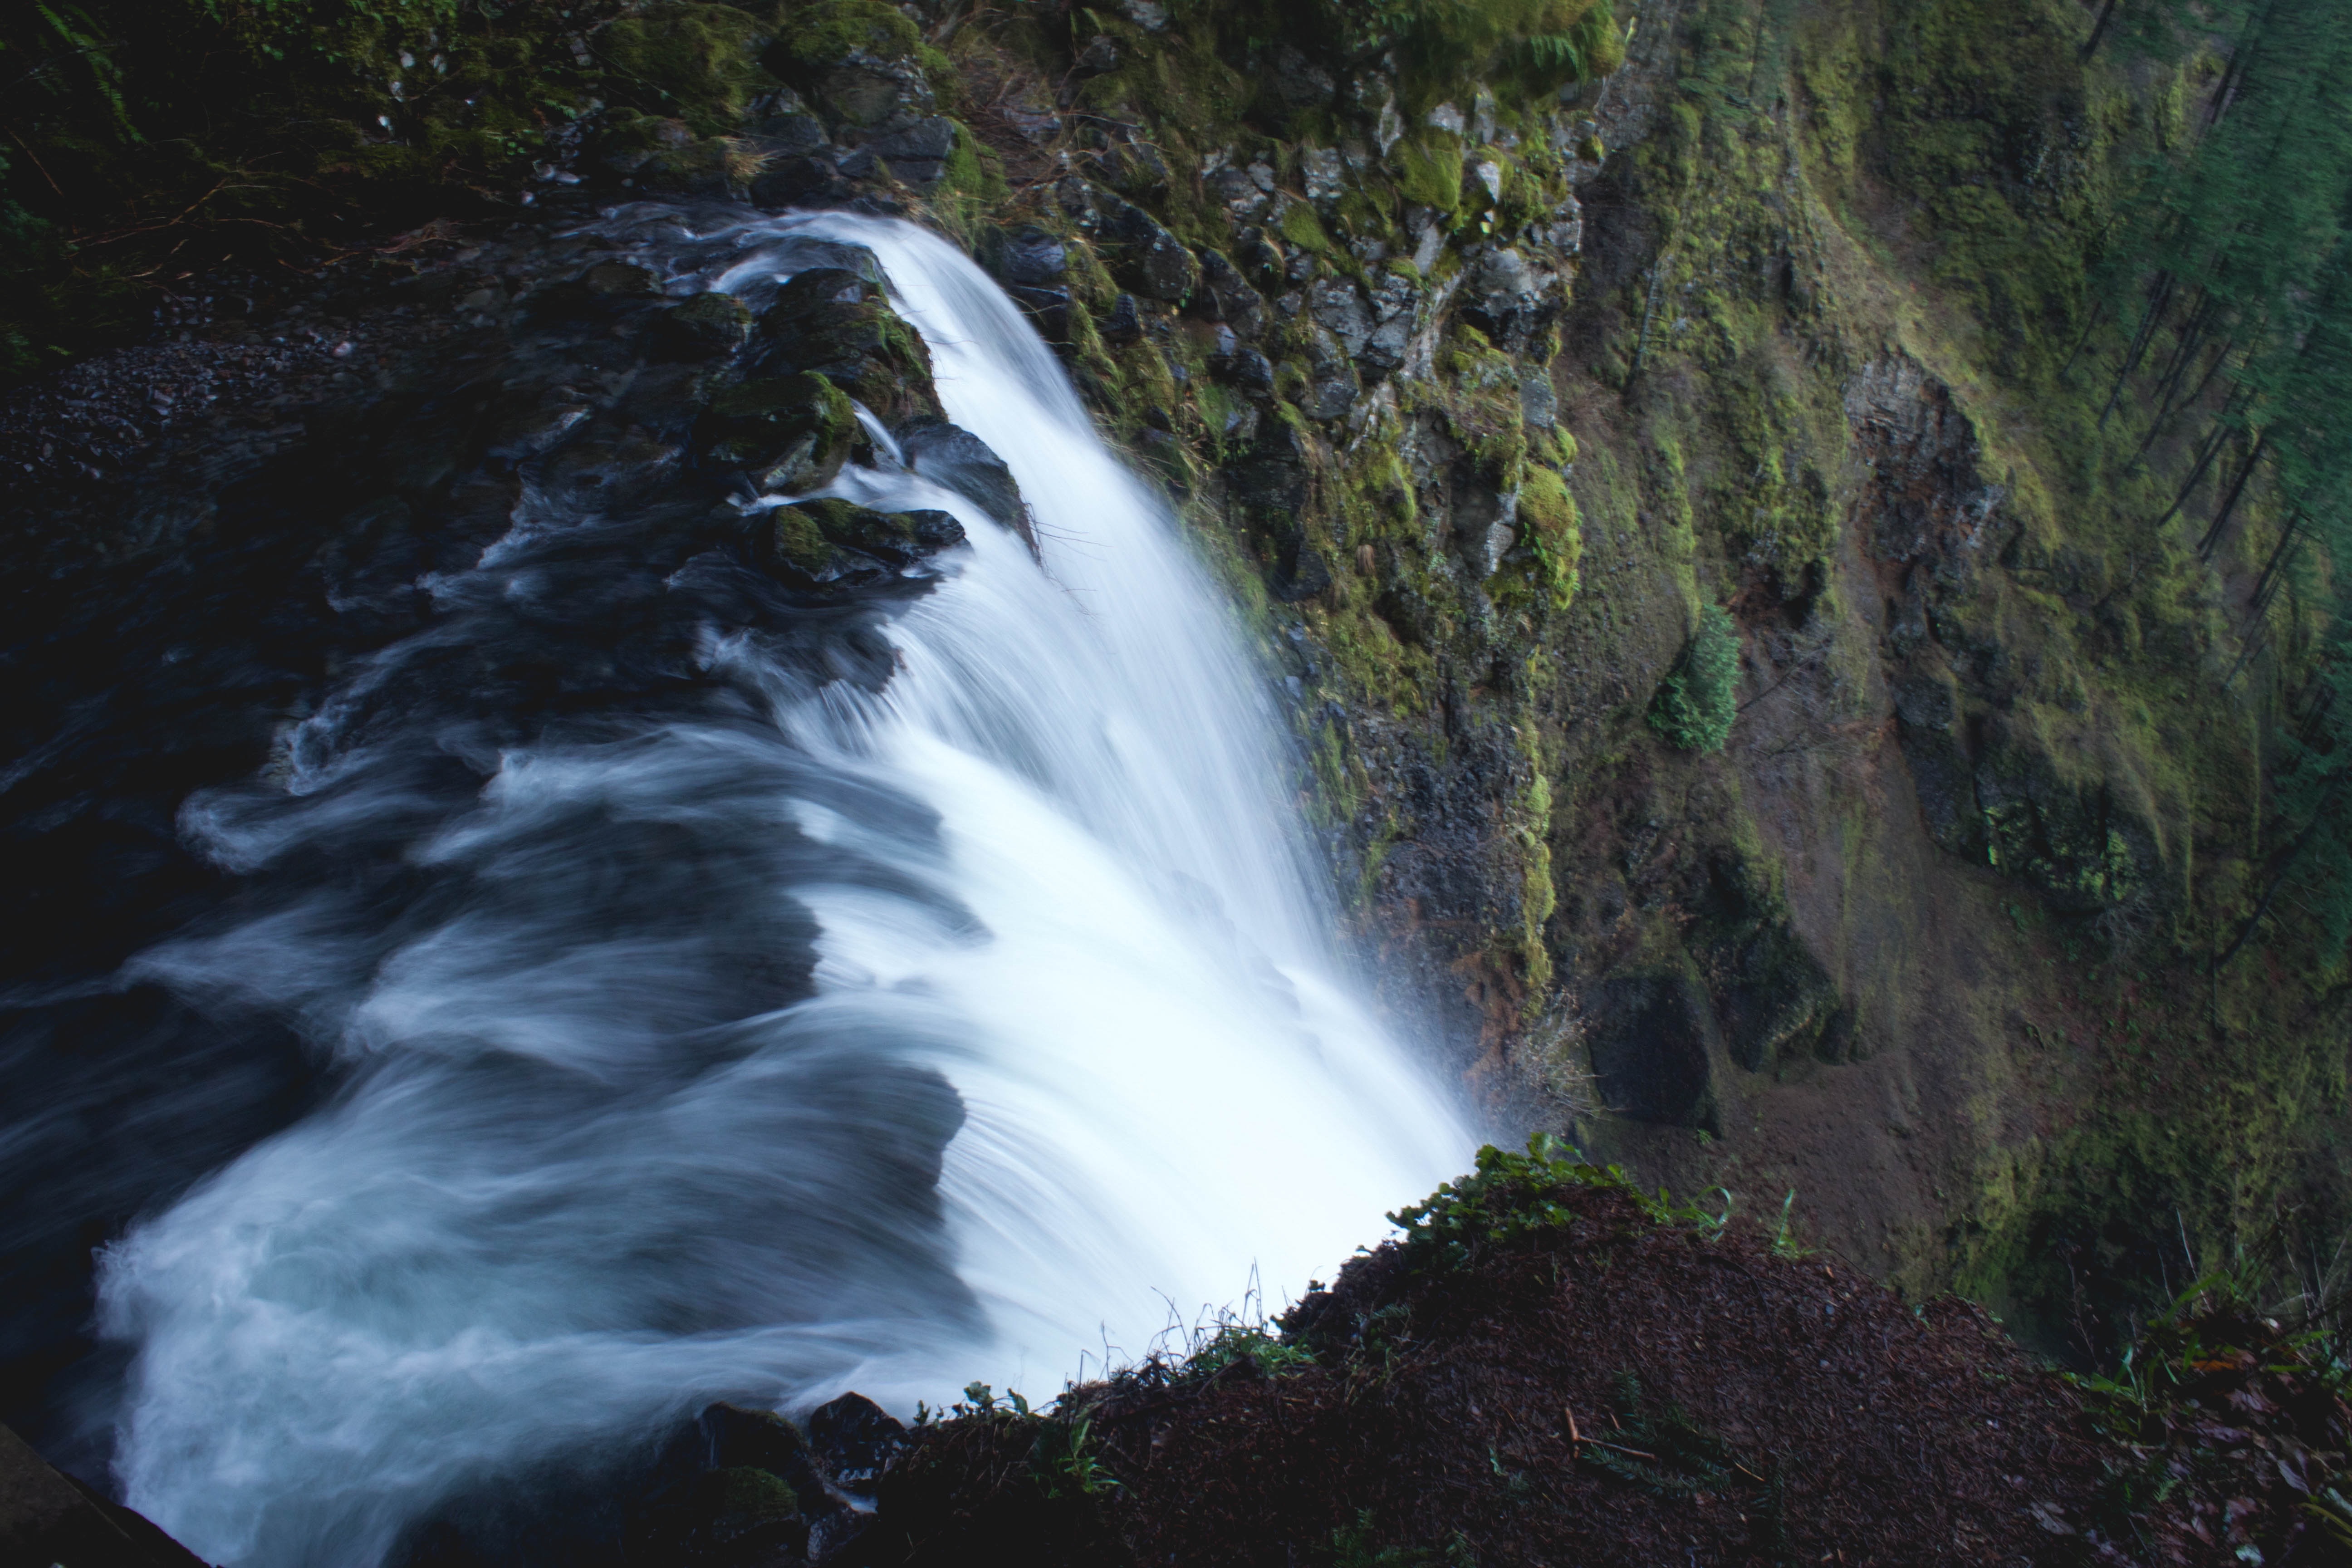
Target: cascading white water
{"points": [[568, 1195]]}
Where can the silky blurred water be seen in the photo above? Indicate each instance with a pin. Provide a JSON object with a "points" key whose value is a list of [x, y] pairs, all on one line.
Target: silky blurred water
{"points": [[961, 1010]]}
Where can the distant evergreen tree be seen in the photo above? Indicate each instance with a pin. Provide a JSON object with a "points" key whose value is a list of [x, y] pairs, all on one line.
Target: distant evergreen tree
{"points": [[1696, 703], [2230, 281]]}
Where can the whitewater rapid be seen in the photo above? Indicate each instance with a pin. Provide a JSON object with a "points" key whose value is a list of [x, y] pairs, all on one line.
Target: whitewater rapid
{"points": [[587, 1173]]}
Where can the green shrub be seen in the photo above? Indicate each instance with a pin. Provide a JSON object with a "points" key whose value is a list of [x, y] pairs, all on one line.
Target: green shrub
{"points": [[1511, 1196], [1696, 703], [1521, 49]]}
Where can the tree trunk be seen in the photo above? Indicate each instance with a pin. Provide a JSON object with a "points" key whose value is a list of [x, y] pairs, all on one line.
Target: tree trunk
{"points": [[2155, 314], [2204, 461], [2212, 540], [2267, 585], [2098, 31]]}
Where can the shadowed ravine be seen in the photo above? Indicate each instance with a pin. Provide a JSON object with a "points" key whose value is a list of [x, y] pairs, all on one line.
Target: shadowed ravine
{"points": [[928, 987]]}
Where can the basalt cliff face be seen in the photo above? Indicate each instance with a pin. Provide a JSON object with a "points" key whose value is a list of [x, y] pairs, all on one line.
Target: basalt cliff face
{"points": [[1752, 734]]}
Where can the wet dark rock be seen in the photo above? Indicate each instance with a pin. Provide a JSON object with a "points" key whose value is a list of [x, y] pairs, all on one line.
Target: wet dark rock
{"points": [[789, 433], [812, 181], [1408, 612], [1132, 168], [746, 1515], [664, 156], [1226, 296], [1337, 307], [1330, 399], [1166, 455], [1506, 299], [1539, 401], [916, 155], [737, 1436], [1145, 256], [47, 1517], [533, 428], [1300, 571], [855, 1440], [1296, 82], [1245, 368], [1080, 201], [1101, 55], [603, 289], [951, 456], [1942, 775], [1261, 258], [1334, 385], [1384, 351], [1124, 321], [1024, 255], [784, 127], [866, 78], [1773, 1000], [1271, 481], [708, 326], [1048, 309], [1234, 190], [1030, 263], [600, 473]]}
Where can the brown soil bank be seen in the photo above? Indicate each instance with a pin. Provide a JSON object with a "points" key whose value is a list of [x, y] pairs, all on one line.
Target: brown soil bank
{"points": [[1551, 1369]]}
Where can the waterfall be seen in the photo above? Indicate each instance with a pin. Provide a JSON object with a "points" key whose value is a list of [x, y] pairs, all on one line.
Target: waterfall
{"points": [[1076, 1054]]}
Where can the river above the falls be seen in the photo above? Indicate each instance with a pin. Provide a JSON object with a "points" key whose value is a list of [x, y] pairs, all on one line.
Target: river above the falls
{"points": [[882, 996]]}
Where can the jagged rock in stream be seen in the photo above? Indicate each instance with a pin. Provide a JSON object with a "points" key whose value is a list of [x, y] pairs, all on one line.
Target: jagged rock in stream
{"points": [[857, 1440], [951, 456]]}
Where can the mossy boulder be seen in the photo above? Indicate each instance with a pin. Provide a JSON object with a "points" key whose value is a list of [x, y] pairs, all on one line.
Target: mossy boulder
{"points": [[821, 544], [863, 62], [789, 433], [835, 323], [697, 62], [900, 538], [1429, 169], [1553, 533]]}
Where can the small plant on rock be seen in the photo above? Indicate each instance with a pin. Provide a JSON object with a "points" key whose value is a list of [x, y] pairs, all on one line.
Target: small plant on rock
{"points": [[1067, 1463]]}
